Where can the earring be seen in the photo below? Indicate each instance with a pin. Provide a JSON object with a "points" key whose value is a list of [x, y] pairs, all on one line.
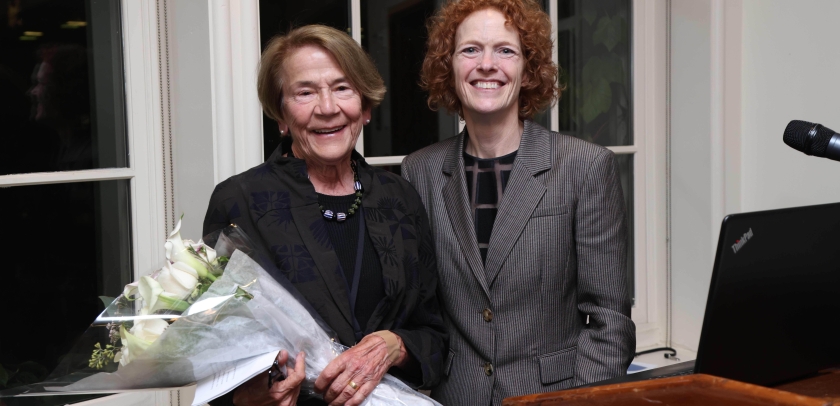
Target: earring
{"points": [[282, 132], [367, 121]]}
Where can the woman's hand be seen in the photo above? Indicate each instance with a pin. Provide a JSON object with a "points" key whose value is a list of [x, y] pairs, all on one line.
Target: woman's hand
{"points": [[353, 375], [283, 392]]}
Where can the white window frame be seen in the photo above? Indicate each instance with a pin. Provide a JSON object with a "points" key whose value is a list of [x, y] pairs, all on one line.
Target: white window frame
{"points": [[145, 174], [649, 78], [146, 124]]}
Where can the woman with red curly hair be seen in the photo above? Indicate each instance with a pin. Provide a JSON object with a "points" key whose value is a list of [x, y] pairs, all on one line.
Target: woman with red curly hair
{"points": [[529, 225]]}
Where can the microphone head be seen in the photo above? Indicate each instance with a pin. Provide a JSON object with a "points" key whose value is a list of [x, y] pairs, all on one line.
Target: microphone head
{"points": [[810, 138]]}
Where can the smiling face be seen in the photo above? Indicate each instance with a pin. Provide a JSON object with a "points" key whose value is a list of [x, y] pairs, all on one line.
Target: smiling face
{"points": [[321, 108], [488, 65]]}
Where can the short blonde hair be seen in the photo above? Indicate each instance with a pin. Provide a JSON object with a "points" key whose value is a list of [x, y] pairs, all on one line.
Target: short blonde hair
{"points": [[351, 58]]}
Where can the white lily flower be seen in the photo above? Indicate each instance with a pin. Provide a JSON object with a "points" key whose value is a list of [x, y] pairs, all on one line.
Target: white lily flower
{"points": [[138, 339], [149, 330], [178, 279], [156, 298], [204, 251], [130, 289], [177, 251]]}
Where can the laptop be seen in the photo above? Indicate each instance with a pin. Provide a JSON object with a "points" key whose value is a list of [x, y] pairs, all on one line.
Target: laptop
{"points": [[773, 311]]}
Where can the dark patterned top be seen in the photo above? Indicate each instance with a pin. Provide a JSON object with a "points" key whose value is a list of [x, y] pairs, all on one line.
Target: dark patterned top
{"points": [[486, 182], [344, 236], [276, 205]]}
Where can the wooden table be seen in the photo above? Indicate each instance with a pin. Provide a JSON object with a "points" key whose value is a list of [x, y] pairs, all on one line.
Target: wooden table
{"points": [[697, 389]]}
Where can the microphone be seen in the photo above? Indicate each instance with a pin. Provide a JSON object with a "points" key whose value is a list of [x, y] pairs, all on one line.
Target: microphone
{"points": [[813, 139]]}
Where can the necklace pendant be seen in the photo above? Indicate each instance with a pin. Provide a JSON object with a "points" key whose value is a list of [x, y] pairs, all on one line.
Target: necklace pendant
{"points": [[328, 214], [340, 217]]}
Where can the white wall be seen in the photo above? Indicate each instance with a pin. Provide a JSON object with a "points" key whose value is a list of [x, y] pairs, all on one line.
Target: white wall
{"points": [[791, 65], [216, 118], [740, 70], [191, 112], [691, 175]]}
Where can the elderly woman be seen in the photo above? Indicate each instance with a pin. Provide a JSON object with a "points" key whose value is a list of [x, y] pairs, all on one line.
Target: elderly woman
{"points": [[353, 239], [529, 225]]}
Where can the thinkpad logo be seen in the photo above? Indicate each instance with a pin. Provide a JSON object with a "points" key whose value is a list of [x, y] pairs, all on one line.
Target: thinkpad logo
{"points": [[742, 241]]}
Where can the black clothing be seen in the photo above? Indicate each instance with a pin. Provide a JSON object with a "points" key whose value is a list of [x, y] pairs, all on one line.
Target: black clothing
{"points": [[344, 236], [277, 206], [486, 182]]}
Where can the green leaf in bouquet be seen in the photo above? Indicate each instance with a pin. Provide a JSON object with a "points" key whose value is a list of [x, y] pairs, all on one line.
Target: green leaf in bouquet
{"points": [[102, 356], [199, 290], [4, 376], [242, 293], [27, 373], [106, 300]]}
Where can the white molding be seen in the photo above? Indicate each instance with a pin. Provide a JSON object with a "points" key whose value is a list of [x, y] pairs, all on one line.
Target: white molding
{"points": [[143, 124], [356, 33], [732, 113], [245, 50], [237, 115], [628, 149], [45, 178], [716, 125], [656, 134], [649, 80], [384, 160], [221, 89], [648, 336]]}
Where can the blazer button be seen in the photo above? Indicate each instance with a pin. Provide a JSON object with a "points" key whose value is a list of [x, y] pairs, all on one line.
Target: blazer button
{"points": [[488, 315], [488, 369]]}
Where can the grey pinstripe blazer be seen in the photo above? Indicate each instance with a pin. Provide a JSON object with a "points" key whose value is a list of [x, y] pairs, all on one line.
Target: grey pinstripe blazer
{"points": [[557, 254]]}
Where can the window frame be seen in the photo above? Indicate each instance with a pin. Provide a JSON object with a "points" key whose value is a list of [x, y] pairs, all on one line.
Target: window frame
{"points": [[143, 134], [649, 78]]}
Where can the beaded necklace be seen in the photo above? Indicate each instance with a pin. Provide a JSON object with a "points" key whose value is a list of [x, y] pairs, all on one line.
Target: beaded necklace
{"points": [[357, 186]]}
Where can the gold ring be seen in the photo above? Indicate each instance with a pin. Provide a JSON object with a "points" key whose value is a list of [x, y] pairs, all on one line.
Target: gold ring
{"points": [[353, 385]]}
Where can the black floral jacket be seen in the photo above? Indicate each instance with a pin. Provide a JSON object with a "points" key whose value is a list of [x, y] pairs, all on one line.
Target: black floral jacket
{"points": [[277, 207]]}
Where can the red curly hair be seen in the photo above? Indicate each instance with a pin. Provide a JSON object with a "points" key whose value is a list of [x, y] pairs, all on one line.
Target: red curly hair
{"points": [[539, 85]]}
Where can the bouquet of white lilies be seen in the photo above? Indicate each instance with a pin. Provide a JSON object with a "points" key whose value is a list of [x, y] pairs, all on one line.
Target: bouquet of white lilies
{"points": [[208, 311]]}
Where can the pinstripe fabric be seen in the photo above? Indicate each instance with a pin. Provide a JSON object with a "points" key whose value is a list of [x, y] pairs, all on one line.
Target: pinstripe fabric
{"points": [[557, 254]]}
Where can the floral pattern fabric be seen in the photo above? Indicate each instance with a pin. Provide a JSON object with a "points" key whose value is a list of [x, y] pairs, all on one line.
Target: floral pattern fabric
{"points": [[277, 207]]}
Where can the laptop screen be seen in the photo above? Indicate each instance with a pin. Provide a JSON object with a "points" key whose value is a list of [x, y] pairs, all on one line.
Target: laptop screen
{"points": [[773, 312]]}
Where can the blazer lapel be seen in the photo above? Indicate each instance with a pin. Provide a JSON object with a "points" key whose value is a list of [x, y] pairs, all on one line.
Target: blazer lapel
{"points": [[521, 196], [458, 209], [310, 225]]}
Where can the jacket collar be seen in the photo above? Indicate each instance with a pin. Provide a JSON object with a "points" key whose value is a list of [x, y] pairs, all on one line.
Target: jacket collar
{"points": [[521, 197], [532, 150], [283, 159]]}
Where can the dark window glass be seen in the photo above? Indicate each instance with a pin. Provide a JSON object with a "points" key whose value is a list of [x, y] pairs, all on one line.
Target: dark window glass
{"points": [[394, 33], [66, 244], [280, 16], [61, 86], [594, 55]]}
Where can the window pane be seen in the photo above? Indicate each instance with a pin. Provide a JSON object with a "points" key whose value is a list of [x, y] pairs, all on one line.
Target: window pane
{"points": [[68, 244], [594, 55], [625, 172], [61, 86], [394, 33], [278, 17]]}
